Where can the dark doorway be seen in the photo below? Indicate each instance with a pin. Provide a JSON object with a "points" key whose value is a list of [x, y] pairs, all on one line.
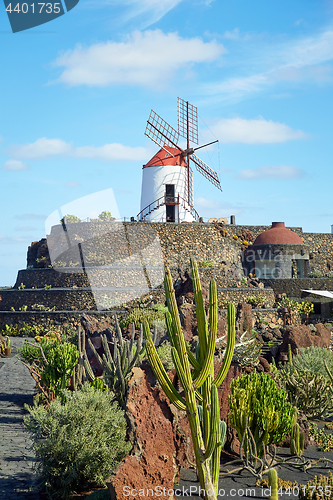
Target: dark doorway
{"points": [[170, 202], [170, 190]]}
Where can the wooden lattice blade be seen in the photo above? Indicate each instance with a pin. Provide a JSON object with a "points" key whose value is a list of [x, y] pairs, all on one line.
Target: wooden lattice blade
{"points": [[159, 131], [206, 171], [188, 121]]}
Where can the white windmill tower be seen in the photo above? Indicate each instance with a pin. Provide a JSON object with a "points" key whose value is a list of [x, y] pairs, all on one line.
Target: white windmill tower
{"points": [[167, 179]]}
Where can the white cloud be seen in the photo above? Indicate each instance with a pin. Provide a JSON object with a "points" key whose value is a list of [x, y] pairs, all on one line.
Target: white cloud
{"points": [[256, 131], [279, 172], [149, 59], [216, 208], [111, 152], [44, 147], [40, 149], [150, 11], [73, 184], [236, 35], [306, 59], [15, 165]]}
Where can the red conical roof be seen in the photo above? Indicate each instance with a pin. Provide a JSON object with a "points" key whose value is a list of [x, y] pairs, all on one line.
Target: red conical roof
{"points": [[164, 157], [278, 234]]}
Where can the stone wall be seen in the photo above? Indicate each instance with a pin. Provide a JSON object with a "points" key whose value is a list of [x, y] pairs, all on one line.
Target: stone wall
{"points": [[213, 245], [129, 258], [294, 287], [237, 295], [53, 318]]}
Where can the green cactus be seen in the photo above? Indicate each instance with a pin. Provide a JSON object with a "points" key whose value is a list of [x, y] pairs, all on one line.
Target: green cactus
{"points": [[290, 355], [116, 367], [330, 377], [311, 393], [273, 484], [196, 375], [61, 361], [318, 488], [296, 437], [259, 412]]}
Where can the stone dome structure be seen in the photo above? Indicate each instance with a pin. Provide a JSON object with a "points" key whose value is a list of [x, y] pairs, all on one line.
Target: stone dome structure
{"points": [[278, 234], [278, 252]]}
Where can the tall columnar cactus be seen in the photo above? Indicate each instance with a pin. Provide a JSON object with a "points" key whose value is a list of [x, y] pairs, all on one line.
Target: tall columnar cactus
{"points": [[196, 375], [273, 484], [330, 376], [296, 437], [290, 355]]}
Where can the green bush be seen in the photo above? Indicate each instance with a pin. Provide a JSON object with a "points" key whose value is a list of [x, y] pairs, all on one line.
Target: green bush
{"points": [[141, 314], [77, 443], [30, 352], [164, 353], [309, 392], [205, 263], [312, 359], [256, 300], [70, 219], [315, 273], [105, 215], [257, 404], [36, 330], [59, 368]]}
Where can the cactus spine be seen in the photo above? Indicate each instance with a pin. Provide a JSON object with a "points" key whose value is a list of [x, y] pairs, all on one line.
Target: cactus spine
{"points": [[196, 375], [273, 484]]}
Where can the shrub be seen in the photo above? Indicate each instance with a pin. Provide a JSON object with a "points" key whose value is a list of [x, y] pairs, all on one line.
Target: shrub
{"points": [[164, 353], [323, 440], [315, 273], [318, 488], [247, 350], [31, 353], [257, 404], [70, 219], [51, 363], [256, 300], [139, 315], [205, 263], [59, 368], [313, 360], [77, 442], [309, 392], [289, 304], [106, 215]]}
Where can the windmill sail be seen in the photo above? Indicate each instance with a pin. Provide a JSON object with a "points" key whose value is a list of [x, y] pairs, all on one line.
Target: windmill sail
{"points": [[159, 131], [188, 121], [206, 171]]}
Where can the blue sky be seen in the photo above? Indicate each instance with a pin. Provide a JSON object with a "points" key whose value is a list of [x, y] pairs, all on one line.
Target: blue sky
{"points": [[75, 95]]}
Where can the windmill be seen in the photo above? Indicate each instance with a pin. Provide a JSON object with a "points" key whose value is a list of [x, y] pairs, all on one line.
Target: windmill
{"points": [[167, 181]]}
